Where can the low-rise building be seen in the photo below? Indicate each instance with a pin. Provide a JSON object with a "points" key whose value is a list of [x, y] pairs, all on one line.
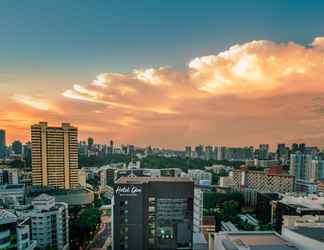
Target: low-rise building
{"points": [[226, 181], [12, 194], [199, 175], [292, 210], [305, 238], [14, 232], [274, 180], [245, 240]]}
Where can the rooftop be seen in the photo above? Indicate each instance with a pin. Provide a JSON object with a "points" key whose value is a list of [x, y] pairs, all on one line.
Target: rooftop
{"points": [[43, 197], [253, 240], [315, 233], [7, 217], [141, 179], [310, 202], [12, 187]]}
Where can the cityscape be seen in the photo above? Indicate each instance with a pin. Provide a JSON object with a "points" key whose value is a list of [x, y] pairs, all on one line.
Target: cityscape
{"points": [[55, 188], [202, 128]]}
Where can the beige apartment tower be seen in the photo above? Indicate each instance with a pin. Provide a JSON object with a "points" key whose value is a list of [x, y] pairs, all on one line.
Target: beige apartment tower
{"points": [[54, 155]]}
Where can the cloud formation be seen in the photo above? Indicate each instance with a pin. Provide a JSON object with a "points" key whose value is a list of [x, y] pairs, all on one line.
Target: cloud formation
{"points": [[34, 102], [256, 92]]}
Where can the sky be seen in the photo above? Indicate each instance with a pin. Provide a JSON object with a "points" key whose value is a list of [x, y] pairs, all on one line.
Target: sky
{"points": [[165, 73]]}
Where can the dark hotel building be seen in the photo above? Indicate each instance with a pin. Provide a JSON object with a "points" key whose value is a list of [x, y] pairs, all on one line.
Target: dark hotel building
{"points": [[153, 213]]}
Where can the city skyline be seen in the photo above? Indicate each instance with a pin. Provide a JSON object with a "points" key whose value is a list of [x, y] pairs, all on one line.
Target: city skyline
{"points": [[207, 81]]}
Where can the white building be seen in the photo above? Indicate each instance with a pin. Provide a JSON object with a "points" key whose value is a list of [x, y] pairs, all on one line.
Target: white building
{"points": [[198, 210], [12, 195], [226, 181], [14, 234], [24, 241], [199, 175], [50, 223], [82, 177]]}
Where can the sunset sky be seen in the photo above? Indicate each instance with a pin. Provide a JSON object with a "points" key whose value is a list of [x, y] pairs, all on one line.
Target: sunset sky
{"points": [[165, 73]]}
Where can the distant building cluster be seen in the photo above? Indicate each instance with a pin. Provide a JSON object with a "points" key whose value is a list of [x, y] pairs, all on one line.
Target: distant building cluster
{"points": [[41, 182]]}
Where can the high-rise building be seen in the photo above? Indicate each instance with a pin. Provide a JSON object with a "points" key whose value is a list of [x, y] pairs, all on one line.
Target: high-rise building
{"points": [[2, 143], [50, 223], [239, 154], [54, 155], [90, 142], [298, 147], [107, 176], [297, 165], [198, 209], [209, 153], [282, 153], [263, 151], [111, 150], [220, 153], [149, 214], [199, 151], [188, 152], [17, 147], [27, 155]]}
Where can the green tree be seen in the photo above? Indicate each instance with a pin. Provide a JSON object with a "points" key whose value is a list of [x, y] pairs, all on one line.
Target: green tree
{"points": [[231, 208]]}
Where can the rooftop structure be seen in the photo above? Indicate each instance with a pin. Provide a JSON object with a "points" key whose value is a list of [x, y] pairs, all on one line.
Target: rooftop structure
{"points": [[7, 217], [309, 202], [306, 238], [251, 240], [144, 179], [292, 211]]}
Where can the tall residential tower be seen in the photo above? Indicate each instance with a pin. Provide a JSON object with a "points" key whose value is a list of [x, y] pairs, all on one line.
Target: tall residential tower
{"points": [[2, 143], [54, 155]]}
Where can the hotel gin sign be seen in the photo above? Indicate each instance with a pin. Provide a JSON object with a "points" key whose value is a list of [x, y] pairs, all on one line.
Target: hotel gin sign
{"points": [[127, 191]]}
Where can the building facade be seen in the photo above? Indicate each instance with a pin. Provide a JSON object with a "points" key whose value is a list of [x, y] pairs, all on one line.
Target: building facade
{"points": [[8, 176], [292, 210], [149, 214], [272, 181], [14, 232], [54, 155], [50, 223], [198, 210]]}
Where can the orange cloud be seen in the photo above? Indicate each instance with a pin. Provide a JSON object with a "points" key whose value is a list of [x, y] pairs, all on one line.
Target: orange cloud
{"points": [[33, 102], [260, 91]]}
